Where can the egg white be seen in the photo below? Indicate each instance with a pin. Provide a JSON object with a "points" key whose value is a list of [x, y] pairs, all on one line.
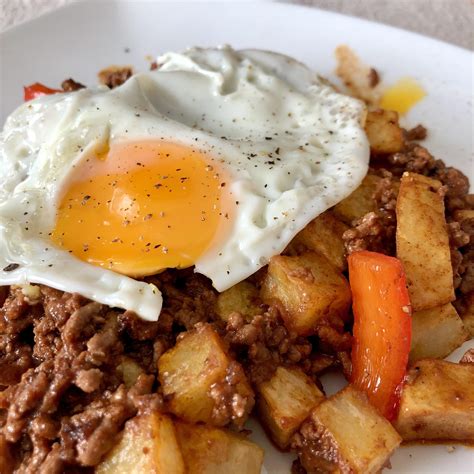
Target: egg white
{"points": [[292, 145]]}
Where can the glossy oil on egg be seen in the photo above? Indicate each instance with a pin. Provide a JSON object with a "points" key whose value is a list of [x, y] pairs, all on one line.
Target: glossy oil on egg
{"points": [[215, 160]]}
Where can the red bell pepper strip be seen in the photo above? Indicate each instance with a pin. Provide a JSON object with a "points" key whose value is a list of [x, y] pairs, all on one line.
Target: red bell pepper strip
{"points": [[382, 328], [37, 90]]}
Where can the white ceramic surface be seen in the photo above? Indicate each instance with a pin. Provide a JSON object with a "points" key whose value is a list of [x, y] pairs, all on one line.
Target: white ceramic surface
{"points": [[80, 39]]}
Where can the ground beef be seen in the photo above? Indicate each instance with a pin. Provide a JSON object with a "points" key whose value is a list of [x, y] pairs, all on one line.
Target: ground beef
{"points": [[370, 232], [467, 277], [65, 402], [114, 76], [70, 85], [333, 339], [457, 186], [315, 448], [464, 304], [16, 354], [264, 344], [7, 460], [374, 78], [297, 468], [15, 359], [418, 159], [321, 362], [16, 314], [415, 158], [461, 239], [190, 298], [457, 240], [416, 133], [137, 328]]}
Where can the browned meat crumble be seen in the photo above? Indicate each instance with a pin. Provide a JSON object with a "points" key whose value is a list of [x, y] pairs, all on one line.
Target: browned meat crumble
{"points": [[70, 85], [114, 76]]}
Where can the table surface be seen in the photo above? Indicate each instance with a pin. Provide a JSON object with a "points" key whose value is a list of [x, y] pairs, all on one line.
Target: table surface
{"points": [[448, 20]]}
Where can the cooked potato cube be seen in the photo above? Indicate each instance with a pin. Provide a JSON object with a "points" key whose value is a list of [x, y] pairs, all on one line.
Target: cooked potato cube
{"points": [[285, 401], [383, 132], [359, 202], [189, 370], [423, 242], [208, 450], [243, 298], [309, 287], [345, 434], [324, 235], [361, 80], [437, 402], [436, 332], [148, 444]]}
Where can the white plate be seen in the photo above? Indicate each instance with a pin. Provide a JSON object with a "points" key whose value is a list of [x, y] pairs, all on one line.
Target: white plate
{"points": [[78, 40]]}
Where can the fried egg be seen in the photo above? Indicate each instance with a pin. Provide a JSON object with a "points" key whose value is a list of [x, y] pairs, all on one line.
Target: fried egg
{"points": [[214, 160]]}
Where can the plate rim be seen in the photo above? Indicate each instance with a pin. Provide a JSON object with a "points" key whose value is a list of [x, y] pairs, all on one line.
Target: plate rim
{"points": [[273, 3]]}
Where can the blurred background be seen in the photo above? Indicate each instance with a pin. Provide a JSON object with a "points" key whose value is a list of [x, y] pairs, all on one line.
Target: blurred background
{"points": [[447, 20]]}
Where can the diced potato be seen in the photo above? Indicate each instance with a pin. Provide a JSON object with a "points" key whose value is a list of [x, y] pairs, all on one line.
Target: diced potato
{"points": [[345, 434], [148, 444], [359, 202], [208, 450], [188, 371], [360, 79], [285, 401], [383, 132], [129, 370], [438, 402], [436, 332], [423, 242], [309, 288], [243, 298], [324, 235]]}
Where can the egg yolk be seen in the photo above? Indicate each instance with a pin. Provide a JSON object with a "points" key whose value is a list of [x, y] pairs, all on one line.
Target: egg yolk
{"points": [[402, 96], [143, 207]]}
